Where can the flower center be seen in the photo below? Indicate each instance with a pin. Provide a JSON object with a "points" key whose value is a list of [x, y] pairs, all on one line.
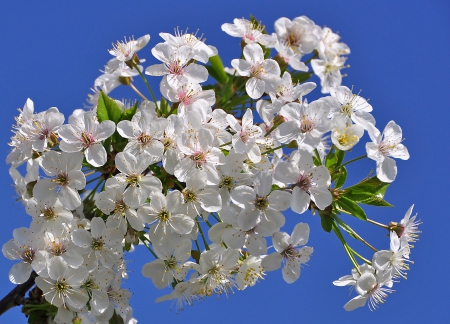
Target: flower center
{"points": [[256, 70], [261, 203], [304, 182], [227, 183], [347, 110], [97, 244], [61, 287], [163, 215], [170, 264], [87, 140], [307, 125], [189, 195], [199, 159], [175, 67], [28, 255], [144, 139], [61, 179], [120, 208], [134, 179], [57, 248], [48, 213]]}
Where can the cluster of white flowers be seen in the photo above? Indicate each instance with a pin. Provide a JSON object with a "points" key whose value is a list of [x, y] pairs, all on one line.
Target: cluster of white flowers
{"points": [[164, 171]]}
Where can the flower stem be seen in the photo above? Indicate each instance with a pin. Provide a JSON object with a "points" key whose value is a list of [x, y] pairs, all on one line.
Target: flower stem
{"points": [[360, 256], [350, 161], [274, 149], [201, 233], [338, 233], [378, 224], [137, 91], [149, 248], [146, 83]]}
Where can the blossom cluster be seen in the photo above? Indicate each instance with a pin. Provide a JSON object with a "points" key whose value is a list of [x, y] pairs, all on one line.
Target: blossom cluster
{"points": [[203, 157]]}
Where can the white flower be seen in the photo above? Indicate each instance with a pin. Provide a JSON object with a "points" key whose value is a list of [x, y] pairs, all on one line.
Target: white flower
{"points": [[345, 136], [23, 247], [287, 250], [259, 204], [328, 69], [305, 123], [139, 185], [201, 51], [330, 45], [249, 31], [298, 34], [309, 182], [48, 214], [103, 245], [144, 133], [85, 133], [246, 135], [369, 288], [250, 272], [408, 228], [62, 287], [176, 65], [350, 106], [392, 263], [42, 127], [163, 213], [67, 178], [383, 146], [171, 263], [125, 50], [263, 74]]}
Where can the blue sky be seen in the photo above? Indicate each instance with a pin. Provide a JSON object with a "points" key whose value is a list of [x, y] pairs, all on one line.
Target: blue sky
{"points": [[52, 51]]}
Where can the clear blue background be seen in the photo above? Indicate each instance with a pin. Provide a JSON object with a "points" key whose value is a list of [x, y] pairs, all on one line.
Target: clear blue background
{"points": [[51, 52]]}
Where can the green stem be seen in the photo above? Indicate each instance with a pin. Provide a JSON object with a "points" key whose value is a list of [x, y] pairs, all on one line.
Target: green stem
{"points": [[274, 149], [201, 233], [198, 247], [318, 156], [92, 193], [146, 83], [225, 144], [92, 180], [217, 218], [357, 236], [360, 256], [137, 91], [149, 248], [338, 233], [378, 224], [350, 161]]}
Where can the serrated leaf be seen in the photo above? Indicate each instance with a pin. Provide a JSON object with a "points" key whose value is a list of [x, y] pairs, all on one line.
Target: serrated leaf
{"points": [[108, 109], [216, 69], [376, 201], [340, 179], [350, 207], [129, 113], [371, 185]]}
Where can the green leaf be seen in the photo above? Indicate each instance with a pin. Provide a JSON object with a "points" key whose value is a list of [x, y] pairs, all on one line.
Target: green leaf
{"points": [[350, 207], [227, 91], [108, 109], [330, 160], [340, 179], [300, 77], [371, 185], [129, 113], [326, 221], [339, 156], [376, 201], [116, 319], [216, 69]]}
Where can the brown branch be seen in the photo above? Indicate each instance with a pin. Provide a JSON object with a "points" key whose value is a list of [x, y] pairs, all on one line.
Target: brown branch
{"points": [[16, 296]]}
